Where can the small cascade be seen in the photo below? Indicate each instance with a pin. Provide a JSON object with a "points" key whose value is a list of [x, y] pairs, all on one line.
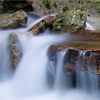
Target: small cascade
{"points": [[94, 86], [59, 77], [89, 26], [86, 80], [30, 79]]}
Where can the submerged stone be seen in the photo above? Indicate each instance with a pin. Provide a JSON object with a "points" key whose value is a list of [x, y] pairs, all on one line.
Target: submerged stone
{"points": [[15, 50], [15, 20]]}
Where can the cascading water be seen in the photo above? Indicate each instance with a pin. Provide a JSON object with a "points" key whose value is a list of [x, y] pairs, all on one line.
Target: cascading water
{"points": [[86, 81], [29, 81], [59, 78]]}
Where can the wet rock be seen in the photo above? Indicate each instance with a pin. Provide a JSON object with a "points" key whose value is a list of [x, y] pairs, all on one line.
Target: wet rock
{"points": [[86, 60], [15, 5], [87, 33], [15, 20], [15, 50], [69, 21]]}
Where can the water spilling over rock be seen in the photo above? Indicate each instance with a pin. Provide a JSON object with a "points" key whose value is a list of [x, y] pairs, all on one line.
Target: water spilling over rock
{"points": [[31, 76]]}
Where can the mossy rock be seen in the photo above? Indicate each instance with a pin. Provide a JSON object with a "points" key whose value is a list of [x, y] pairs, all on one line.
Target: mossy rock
{"points": [[69, 21]]}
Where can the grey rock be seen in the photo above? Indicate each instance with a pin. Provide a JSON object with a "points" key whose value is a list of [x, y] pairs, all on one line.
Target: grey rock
{"points": [[15, 20], [69, 21]]}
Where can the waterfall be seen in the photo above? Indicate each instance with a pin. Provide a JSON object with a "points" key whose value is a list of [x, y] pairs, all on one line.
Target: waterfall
{"points": [[86, 81], [30, 79], [89, 26], [59, 77]]}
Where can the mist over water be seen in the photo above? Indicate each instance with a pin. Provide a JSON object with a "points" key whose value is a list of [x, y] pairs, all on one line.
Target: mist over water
{"points": [[29, 81]]}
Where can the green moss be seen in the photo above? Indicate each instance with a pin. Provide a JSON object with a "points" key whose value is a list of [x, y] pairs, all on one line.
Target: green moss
{"points": [[43, 1], [82, 2], [81, 15], [46, 25], [40, 29], [65, 8], [47, 5], [79, 2], [69, 1], [55, 4]]}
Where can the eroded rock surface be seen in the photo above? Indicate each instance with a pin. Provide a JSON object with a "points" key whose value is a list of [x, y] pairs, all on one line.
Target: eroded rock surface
{"points": [[15, 20], [86, 60], [15, 50], [69, 21]]}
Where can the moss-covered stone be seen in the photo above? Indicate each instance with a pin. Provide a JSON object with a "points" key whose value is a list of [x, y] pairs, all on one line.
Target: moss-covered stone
{"points": [[69, 21]]}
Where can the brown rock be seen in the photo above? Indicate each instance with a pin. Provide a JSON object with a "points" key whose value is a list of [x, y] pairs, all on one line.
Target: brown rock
{"points": [[87, 33], [15, 50], [89, 59], [41, 26]]}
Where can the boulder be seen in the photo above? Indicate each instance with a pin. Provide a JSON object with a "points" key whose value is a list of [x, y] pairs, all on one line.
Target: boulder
{"points": [[69, 21], [15, 20], [15, 50]]}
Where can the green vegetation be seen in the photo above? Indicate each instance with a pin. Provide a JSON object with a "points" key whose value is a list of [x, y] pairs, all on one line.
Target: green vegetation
{"points": [[79, 2], [55, 4], [81, 15], [82, 2], [43, 1], [46, 25], [65, 8], [69, 1], [40, 29], [47, 4], [95, 1]]}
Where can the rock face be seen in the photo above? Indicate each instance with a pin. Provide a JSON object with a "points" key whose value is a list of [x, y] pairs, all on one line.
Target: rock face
{"points": [[15, 20], [87, 60], [69, 21], [15, 50], [45, 7]]}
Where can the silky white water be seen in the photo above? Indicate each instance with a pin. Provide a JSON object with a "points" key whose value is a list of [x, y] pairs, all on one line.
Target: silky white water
{"points": [[29, 81]]}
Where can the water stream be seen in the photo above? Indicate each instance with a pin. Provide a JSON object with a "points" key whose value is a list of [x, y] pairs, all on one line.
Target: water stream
{"points": [[29, 81]]}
